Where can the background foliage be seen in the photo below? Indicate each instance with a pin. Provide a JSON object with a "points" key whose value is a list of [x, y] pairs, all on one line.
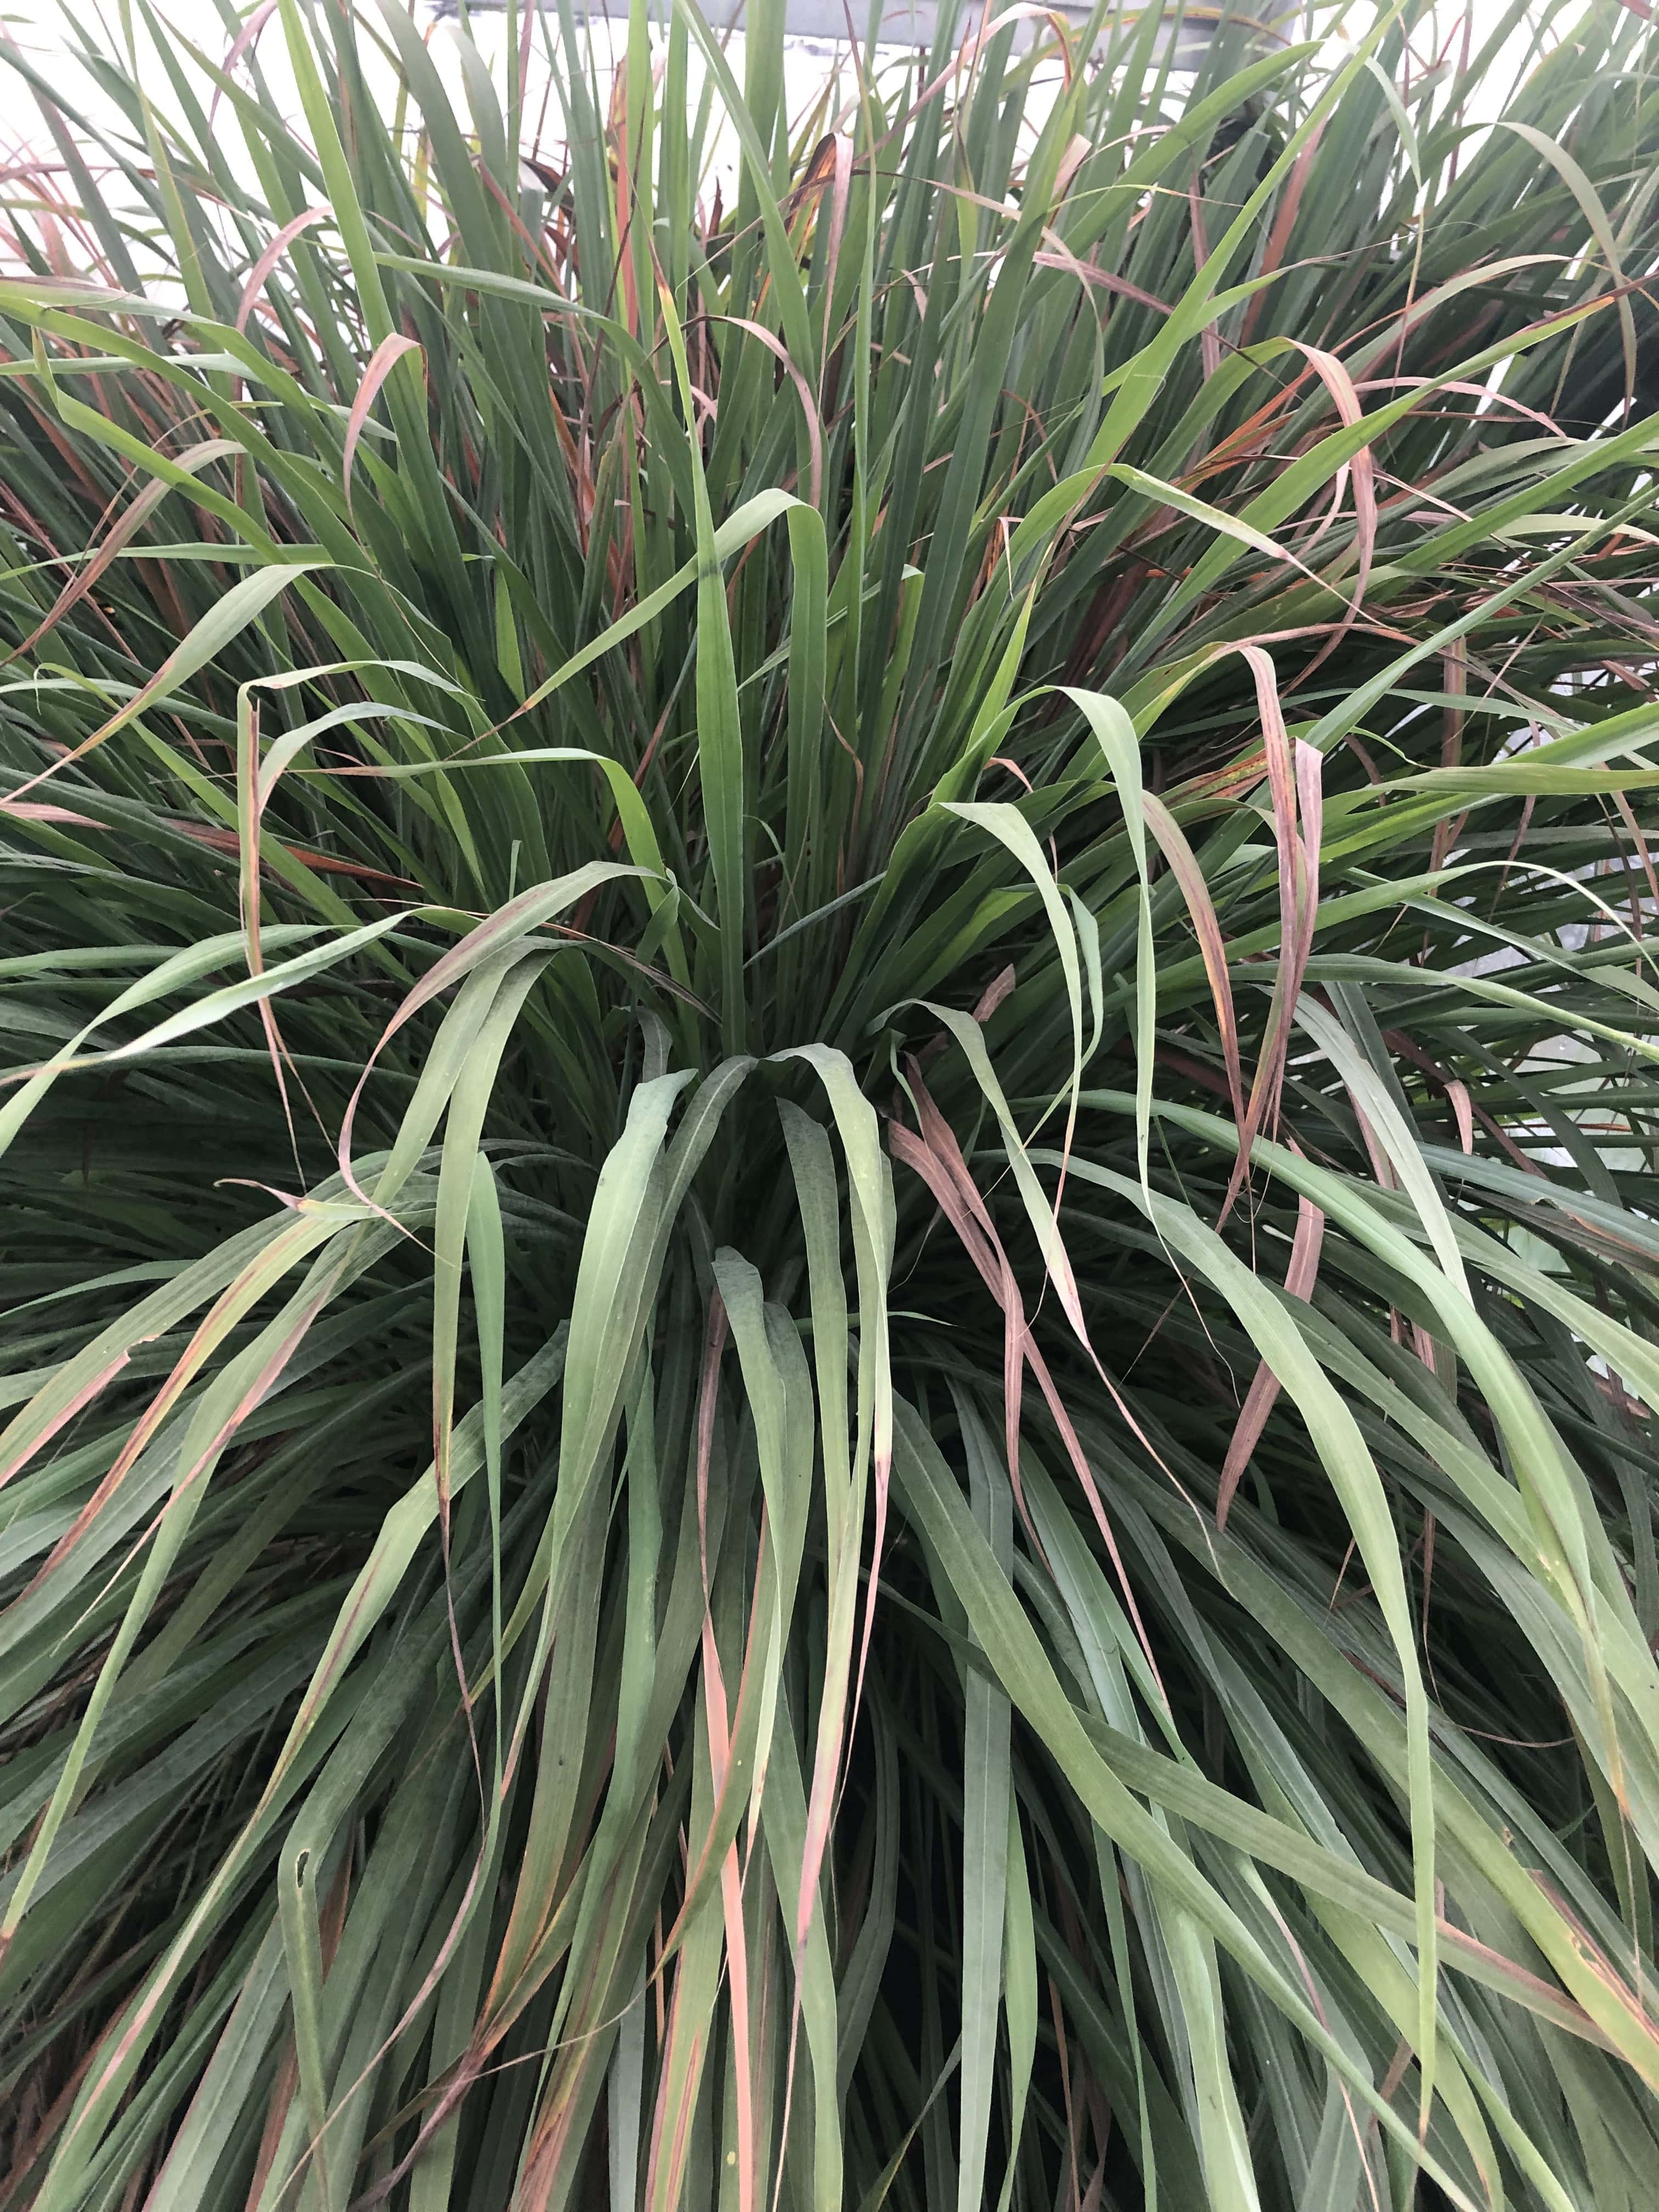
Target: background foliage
{"points": [[829, 1281]]}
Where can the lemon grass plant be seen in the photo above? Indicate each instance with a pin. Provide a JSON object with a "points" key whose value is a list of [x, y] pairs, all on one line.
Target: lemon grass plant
{"points": [[830, 1115]]}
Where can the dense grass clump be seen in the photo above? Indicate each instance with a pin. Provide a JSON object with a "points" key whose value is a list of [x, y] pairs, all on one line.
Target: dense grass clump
{"points": [[829, 1266]]}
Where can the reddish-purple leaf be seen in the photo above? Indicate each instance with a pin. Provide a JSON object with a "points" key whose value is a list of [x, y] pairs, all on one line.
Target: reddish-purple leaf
{"points": [[1299, 1280], [385, 358], [273, 253]]}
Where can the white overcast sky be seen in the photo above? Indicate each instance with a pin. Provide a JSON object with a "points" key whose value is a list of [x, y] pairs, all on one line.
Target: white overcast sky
{"points": [[39, 28]]}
